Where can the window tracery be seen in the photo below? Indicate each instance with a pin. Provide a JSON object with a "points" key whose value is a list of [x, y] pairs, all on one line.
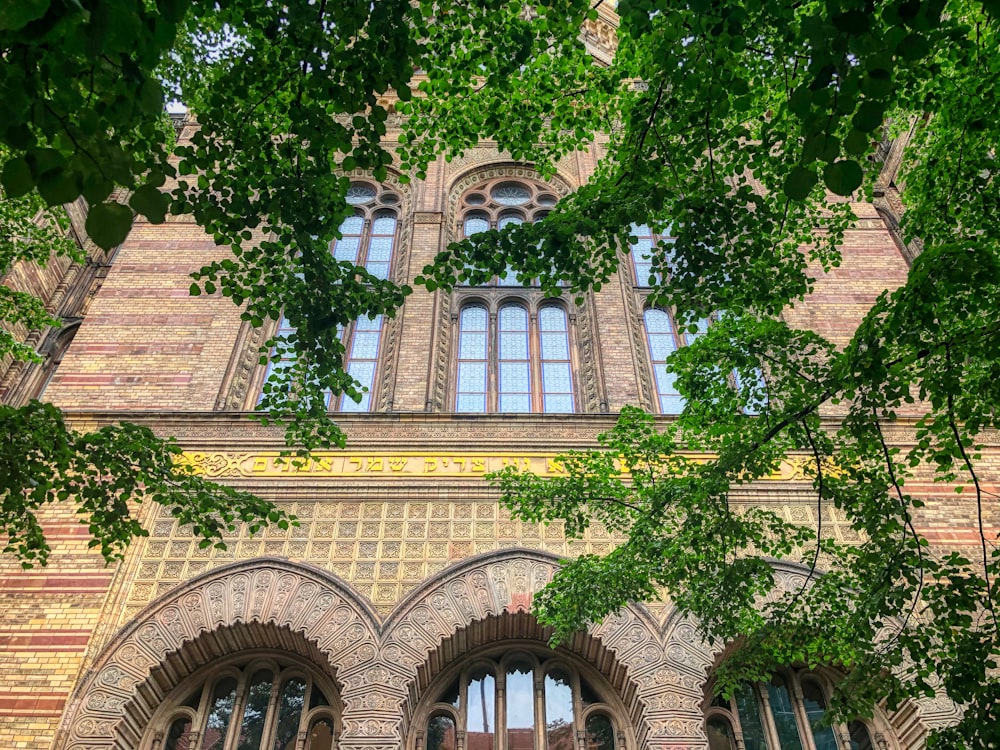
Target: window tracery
{"points": [[786, 713], [368, 240], [513, 349], [519, 700], [260, 703], [501, 203]]}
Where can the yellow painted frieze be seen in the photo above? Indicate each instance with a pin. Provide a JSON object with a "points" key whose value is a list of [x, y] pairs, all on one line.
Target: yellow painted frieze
{"points": [[410, 464]]}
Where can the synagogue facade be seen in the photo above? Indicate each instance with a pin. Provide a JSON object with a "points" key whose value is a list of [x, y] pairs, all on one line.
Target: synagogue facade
{"points": [[397, 615]]}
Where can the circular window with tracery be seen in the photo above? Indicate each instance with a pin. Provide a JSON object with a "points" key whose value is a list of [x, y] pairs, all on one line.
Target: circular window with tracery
{"points": [[520, 700], [263, 703]]}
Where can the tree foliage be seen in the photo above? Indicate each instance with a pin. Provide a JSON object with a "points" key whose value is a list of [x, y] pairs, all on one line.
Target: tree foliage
{"points": [[744, 127], [107, 473]]}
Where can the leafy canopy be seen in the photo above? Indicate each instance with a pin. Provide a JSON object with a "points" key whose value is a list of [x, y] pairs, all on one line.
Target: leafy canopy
{"points": [[728, 122]]}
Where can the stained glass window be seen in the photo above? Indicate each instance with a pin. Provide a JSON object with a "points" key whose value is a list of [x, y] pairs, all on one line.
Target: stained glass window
{"points": [[362, 361], [476, 223], [642, 249], [380, 245], [557, 375], [514, 381], [359, 193], [660, 337], [509, 278], [371, 247], [505, 365], [472, 360], [511, 194]]}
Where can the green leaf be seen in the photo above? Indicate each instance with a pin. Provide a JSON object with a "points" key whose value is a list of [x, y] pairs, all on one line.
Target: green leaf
{"points": [[151, 203], [913, 47], [869, 116], [108, 224], [16, 14], [59, 186], [857, 142], [843, 177], [799, 183], [17, 179]]}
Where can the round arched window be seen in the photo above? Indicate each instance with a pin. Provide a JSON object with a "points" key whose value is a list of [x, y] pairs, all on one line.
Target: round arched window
{"points": [[261, 704], [787, 713], [519, 700]]}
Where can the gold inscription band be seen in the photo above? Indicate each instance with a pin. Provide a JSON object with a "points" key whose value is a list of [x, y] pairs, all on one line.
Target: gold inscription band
{"points": [[410, 465]]}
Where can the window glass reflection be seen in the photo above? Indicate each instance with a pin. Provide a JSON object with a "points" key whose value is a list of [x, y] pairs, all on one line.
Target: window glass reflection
{"points": [[320, 735], [520, 707], [441, 733], [256, 711], [481, 715], [293, 698], [600, 733], [783, 714], [720, 735], [179, 736], [223, 698], [749, 712], [558, 710], [815, 705]]}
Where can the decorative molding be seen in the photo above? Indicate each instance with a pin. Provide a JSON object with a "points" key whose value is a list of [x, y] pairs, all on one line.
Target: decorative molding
{"points": [[114, 700], [382, 670], [636, 328], [593, 396], [420, 464], [244, 369]]}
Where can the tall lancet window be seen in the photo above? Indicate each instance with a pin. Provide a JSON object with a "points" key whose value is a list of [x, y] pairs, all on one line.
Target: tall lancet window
{"points": [[368, 239]]}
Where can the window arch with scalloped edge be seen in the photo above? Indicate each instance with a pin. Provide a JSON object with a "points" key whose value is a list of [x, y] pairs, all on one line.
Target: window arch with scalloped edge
{"points": [[520, 699], [787, 713], [259, 703]]}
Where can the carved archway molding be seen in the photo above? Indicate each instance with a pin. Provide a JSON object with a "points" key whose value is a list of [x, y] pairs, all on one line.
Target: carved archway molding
{"points": [[245, 601], [659, 667]]}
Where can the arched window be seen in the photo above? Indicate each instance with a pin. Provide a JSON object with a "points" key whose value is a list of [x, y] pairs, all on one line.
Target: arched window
{"points": [[368, 240], [361, 360], [663, 338], [502, 203], [369, 237], [514, 359], [786, 713], [518, 701], [362, 343], [264, 704], [641, 253]]}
